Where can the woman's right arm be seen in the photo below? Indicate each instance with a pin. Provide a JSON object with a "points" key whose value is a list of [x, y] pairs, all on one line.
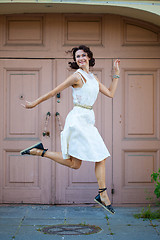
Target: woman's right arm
{"points": [[70, 81]]}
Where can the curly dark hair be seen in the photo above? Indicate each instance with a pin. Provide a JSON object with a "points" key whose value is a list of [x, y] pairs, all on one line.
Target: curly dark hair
{"points": [[86, 49]]}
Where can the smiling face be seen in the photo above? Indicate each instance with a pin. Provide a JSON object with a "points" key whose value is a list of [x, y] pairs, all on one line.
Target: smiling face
{"points": [[82, 59]]}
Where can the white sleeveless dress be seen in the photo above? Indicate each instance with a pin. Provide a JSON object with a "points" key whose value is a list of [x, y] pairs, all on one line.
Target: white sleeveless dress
{"points": [[80, 138]]}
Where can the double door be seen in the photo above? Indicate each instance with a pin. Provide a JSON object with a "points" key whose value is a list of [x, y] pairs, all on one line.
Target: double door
{"points": [[129, 125]]}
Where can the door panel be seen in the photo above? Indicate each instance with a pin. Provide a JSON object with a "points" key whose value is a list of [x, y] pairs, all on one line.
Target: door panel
{"points": [[24, 178], [80, 186], [19, 85], [136, 133]]}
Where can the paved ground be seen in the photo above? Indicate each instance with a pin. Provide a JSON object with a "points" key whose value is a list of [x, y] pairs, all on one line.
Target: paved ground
{"points": [[24, 222]]}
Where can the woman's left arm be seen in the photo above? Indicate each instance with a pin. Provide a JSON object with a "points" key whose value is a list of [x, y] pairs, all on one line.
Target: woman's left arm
{"points": [[109, 92]]}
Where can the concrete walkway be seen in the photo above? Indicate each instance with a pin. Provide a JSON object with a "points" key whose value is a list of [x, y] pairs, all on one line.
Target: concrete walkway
{"points": [[24, 222]]}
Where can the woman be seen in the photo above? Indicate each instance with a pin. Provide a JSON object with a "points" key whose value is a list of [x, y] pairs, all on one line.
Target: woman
{"points": [[80, 140]]}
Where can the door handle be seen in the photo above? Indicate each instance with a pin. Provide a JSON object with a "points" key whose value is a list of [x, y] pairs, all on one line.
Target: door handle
{"points": [[46, 131], [58, 97], [59, 121]]}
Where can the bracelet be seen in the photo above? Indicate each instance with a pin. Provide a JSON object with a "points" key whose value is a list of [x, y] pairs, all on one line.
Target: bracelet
{"points": [[116, 76]]}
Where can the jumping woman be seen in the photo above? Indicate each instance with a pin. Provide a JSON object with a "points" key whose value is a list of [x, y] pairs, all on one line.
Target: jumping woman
{"points": [[80, 139]]}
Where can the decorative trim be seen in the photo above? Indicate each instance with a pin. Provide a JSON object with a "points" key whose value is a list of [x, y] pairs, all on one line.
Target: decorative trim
{"points": [[87, 29], [139, 33]]}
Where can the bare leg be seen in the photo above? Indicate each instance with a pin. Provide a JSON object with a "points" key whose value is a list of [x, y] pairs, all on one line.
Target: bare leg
{"points": [[57, 157], [100, 175]]}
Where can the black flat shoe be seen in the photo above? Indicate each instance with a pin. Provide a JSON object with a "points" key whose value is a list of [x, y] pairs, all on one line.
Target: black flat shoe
{"points": [[97, 199], [37, 146]]}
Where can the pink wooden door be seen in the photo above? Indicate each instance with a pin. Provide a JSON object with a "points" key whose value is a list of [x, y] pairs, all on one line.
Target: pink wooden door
{"points": [[79, 186], [136, 135], [23, 178]]}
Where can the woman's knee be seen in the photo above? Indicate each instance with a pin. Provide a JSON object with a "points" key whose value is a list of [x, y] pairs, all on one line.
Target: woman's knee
{"points": [[76, 163]]}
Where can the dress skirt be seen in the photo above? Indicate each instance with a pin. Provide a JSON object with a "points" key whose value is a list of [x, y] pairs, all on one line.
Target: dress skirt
{"points": [[80, 138]]}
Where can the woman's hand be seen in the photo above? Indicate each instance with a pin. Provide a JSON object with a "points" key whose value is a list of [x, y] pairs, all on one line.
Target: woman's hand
{"points": [[116, 66], [28, 105]]}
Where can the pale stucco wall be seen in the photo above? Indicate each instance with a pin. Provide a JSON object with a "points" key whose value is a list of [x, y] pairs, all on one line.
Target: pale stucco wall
{"points": [[144, 10]]}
